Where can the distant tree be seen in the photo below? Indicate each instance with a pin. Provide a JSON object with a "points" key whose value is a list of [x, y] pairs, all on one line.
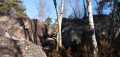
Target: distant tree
{"points": [[118, 10], [75, 5], [59, 18], [114, 17], [70, 17], [103, 5], [56, 20], [65, 11], [91, 23], [48, 21], [44, 10], [12, 8], [85, 9]]}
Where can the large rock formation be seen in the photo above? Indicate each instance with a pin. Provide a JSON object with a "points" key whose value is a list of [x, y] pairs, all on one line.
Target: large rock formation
{"points": [[11, 46], [72, 31], [30, 29], [75, 31]]}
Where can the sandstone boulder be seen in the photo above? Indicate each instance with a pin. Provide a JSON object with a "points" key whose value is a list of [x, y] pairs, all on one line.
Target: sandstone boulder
{"points": [[31, 29], [11, 46], [77, 31], [72, 32]]}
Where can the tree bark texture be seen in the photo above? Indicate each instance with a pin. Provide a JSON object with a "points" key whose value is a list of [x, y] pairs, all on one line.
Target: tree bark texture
{"points": [[91, 23], [59, 18]]}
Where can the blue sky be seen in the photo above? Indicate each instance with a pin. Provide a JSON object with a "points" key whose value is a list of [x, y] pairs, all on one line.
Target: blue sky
{"points": [[31, 9], [33, 12]]}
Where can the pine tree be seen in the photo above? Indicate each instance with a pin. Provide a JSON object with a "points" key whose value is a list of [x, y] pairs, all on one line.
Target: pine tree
{"points": [[70, 17], [48, 21], [12, 8]]}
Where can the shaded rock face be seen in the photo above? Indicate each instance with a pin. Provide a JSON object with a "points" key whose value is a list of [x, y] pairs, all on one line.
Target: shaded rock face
{"points": [[31, 29], [11, 46], [53, 30], [77, 31], [72, 32]]}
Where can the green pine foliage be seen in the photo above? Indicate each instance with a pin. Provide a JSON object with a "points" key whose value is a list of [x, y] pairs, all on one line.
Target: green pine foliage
{"points": [[12, 8], [48, 21]]}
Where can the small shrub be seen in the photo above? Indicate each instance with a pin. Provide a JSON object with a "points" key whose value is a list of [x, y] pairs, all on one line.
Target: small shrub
{"points": [[105, 49]]}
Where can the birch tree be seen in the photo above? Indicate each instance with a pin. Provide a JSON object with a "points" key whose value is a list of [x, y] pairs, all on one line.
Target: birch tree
{"points": [[43, 7], [65, 9], [59, 18], [91, 23], [76, 8]]}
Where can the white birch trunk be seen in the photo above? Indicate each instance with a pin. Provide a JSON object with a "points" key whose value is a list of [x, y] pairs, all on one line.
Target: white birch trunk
{"points": [[91, 23], [57, 12], [60, 23], [59, 18]]}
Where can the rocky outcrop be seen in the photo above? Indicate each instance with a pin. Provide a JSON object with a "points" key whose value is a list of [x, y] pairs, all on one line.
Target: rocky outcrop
{"points": [[11, 46], [31, 29], [53, 30], [77, 31], [72, 31]]}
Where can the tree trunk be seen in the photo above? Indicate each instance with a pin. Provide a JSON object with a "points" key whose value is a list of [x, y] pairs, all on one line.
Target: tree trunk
{"points": [[59, 36], [8, 11], [57, 12], [75, 15], [91, 23], [113, 19], [85, 10], [60, 23]]}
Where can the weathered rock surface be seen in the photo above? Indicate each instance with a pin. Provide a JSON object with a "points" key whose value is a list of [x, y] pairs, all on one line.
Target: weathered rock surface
{"points": [[49, 44], [11, 46], [72, 32], [31, 29], [75, 31], [53, 30]]}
